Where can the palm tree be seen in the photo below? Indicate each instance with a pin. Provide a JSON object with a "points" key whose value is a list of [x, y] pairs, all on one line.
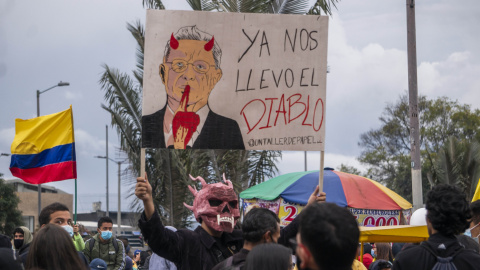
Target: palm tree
{"points": [[168, 170], [458, 163]]}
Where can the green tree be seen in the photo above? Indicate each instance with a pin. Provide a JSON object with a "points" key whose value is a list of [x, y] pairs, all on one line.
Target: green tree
{"points": [[168, 170], [349, 169], [386, 150], [10, 216]]}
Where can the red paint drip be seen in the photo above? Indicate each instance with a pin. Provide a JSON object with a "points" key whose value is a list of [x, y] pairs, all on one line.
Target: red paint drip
{"points": [[187, 120]]}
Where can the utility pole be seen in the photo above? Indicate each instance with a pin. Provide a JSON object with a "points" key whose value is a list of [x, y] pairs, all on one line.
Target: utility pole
{"points": [[417, 193], [106, 161]]}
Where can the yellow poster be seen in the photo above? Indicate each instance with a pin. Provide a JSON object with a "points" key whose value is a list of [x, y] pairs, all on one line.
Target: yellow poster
{"points": [[288, 212]]}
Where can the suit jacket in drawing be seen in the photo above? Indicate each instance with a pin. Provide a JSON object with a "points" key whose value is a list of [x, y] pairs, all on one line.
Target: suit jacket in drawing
{"points": [[218, 132]]}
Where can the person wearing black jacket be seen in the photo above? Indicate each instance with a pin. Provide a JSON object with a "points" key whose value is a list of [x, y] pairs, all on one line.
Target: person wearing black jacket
{"points": [[448, 213], [202, 248]]}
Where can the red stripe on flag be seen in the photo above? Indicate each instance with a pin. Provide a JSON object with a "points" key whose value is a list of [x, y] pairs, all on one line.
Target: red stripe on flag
{"points": [[364, 194], [50, 173]]}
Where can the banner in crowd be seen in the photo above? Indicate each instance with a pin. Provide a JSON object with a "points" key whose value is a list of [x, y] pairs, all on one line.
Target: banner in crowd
{"points": [[287, 212], [218, 80]]}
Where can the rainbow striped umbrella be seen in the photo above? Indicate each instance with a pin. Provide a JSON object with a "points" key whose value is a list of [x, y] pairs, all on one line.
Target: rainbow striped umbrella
{"points": [[343, 189]]}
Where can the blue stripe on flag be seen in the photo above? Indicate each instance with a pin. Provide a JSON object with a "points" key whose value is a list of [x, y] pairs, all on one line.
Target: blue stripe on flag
{"points": [[50, 156]]}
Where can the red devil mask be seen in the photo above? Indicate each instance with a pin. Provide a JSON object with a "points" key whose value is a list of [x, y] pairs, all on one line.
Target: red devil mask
{"points": [[215, 204]]}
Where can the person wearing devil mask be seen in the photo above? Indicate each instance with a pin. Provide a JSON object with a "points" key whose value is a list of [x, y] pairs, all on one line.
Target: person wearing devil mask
{"points": [[190, 70], [216, 208]]}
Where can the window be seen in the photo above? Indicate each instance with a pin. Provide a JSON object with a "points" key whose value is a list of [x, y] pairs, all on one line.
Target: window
{"points": [[28, 221]]}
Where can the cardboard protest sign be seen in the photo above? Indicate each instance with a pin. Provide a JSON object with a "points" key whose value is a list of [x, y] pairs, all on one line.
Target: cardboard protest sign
{"points": [[216, 80]]}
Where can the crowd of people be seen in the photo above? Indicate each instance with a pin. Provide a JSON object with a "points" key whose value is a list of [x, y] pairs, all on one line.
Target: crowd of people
{"points": [[324, 236]]}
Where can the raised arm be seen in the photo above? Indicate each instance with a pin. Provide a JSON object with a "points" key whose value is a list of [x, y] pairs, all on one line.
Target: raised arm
{"points": [[163, 242], [143, 191]]}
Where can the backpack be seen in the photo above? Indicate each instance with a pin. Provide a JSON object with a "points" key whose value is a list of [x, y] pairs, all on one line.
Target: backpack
{"points": [[443, 263], [114, 240], [229, 264]]}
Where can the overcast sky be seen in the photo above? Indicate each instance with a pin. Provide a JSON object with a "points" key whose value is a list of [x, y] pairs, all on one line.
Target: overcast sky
{"points": [[44, 42]]}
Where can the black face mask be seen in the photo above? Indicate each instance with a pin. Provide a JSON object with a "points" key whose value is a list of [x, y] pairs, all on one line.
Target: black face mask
{"points": [[18, 243]]}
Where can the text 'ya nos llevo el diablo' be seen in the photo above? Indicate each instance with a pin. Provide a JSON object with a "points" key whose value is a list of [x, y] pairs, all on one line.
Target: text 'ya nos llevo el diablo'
{"points": [[247, 81]]}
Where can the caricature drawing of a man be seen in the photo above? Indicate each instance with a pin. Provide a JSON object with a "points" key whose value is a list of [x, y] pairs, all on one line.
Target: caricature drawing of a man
{"points": [[190, 71]]}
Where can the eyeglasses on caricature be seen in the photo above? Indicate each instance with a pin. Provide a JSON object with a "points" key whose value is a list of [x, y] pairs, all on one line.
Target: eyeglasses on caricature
{"points": [[200, 66]]}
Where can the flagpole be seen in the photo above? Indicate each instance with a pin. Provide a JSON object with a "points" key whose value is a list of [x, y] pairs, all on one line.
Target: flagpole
{"points": [[73, 155], [39, 188], [75, 215], [38, 115]]}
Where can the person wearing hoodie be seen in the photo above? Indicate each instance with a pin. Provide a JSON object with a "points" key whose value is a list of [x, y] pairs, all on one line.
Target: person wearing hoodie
{"points": [[22, 237], [104, 246]]}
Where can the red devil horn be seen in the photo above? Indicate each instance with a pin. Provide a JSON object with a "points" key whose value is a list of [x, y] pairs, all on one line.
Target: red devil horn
{"points": [[188, 206], [208, 47], [199, 178], [228, 182], [193, 190], [173, 42]]}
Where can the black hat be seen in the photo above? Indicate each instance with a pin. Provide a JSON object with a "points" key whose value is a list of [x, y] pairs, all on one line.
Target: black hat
{"points": [[5, 241]]}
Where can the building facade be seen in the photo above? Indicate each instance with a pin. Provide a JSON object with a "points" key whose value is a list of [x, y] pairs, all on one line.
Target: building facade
{"points": [[28, 194]]}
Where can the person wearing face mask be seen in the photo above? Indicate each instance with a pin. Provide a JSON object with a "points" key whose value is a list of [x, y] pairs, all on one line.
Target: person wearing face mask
{"points": [[474, 230], [22, 237], [106, 247], [59, 214]]}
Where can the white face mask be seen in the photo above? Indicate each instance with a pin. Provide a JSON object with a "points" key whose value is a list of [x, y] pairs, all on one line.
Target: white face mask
{"points": [[69, 229]]}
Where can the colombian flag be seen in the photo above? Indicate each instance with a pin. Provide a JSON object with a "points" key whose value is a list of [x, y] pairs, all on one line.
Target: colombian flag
{"points": [[43, 149]]}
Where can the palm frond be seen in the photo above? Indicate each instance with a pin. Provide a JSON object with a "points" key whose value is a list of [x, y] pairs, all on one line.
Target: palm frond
{"points": [[323, 5], [122, 94], [262, 165], [288, 6], [245, 6], [209, 5], [138, 32], [153, 4], [195, 4]]}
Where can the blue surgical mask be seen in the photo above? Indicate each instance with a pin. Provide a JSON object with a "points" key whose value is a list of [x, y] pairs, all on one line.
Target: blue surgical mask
{"points": [[468, 232], [106, 235], [373, 253], [69, 229]]}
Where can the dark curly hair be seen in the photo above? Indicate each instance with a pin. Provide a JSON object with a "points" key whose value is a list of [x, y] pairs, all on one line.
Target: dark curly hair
{"points": [[448, 209]]}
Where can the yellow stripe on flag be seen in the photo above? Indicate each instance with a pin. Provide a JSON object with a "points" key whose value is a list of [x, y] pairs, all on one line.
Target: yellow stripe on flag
{"points": [[476, 196], [34, 135]]}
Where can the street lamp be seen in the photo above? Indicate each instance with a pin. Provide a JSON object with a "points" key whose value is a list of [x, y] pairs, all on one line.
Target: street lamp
{"points": [[119, 212], [38, 114]]}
